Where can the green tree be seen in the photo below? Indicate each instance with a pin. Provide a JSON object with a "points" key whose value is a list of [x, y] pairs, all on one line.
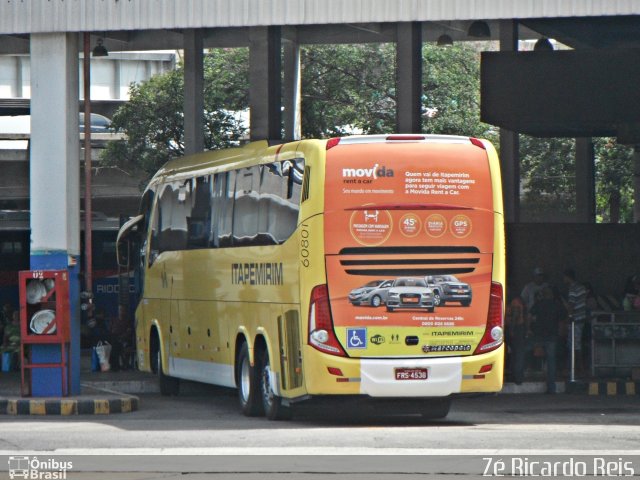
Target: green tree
{"points": [[614, 181], [547, 174], [548, 178], [349, 88], [153, 118]]}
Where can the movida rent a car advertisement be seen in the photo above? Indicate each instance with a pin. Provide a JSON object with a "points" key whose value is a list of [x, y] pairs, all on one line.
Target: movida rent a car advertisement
{"points": [[409, 241]]}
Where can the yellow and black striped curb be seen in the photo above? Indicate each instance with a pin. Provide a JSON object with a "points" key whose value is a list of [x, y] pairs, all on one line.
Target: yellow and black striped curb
{"points": [[68, 406], [614, 388]]}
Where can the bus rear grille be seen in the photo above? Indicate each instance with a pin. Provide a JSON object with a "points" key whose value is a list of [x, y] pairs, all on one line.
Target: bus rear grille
{"points": [[407, 272], [406, 250], [388, 262]]}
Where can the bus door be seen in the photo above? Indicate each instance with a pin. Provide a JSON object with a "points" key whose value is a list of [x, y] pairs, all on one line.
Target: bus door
{"points": [[409, 229], [129, 266]]}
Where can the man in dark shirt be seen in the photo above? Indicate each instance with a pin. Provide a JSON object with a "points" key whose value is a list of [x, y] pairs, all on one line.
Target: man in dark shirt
{"points": [[546, 315]]}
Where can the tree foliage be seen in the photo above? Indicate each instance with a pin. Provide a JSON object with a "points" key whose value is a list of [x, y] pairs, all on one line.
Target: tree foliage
{"points": [[153, 118], [351, 89], [547, 174], [614, 181]]}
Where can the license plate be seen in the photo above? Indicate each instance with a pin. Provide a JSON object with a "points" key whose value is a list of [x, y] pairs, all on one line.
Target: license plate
{"points": [[411, 373], [410, 300]]}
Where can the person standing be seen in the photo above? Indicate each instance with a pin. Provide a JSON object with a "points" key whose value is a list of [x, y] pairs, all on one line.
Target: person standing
{"points": [[516, 331], [546, 315], [576, 305], [530, 290]]}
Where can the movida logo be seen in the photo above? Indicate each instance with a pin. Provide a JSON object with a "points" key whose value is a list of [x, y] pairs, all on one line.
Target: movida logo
{"points": [[371, 173]]}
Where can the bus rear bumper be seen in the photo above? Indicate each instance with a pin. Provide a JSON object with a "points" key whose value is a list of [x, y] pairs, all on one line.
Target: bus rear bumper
{"points": [[378, 377]]}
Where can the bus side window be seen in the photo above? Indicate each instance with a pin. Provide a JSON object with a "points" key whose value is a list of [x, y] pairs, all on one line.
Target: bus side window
{"points": [[199, 220], [156, 226], [174, 207], [245, 209], [272, 187], [285, 222], [224, 207]]}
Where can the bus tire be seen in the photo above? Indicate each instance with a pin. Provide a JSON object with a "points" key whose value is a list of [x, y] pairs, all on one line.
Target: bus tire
{"points": [[272, 403], [248, 384], [169, 386], [435, 408]]}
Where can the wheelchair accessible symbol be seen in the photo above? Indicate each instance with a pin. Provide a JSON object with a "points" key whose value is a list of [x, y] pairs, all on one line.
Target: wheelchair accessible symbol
{"points": [[356, 338]]}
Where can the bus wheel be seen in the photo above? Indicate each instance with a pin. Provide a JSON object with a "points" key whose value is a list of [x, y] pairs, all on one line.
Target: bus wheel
{"points": [[248, 385], [434, 408], [273, 407], [168, 385]]}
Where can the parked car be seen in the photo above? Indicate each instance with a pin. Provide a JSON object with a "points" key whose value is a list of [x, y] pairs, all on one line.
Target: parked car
{"points": [[447, 288], [410, 293], [373, 293]]}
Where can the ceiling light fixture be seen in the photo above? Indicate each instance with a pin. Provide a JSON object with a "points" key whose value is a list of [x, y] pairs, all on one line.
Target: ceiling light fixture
{"points": [[479, 29], [100, 50], [444, 40]]}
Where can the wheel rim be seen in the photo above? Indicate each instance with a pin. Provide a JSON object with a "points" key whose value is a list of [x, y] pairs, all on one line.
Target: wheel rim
{"points": [[267, 391], [375, 301], [245, 380], [436, 299]]}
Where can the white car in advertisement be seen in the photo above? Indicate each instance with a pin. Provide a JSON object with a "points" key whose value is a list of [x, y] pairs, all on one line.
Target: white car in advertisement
{"points": [[410, 293]]}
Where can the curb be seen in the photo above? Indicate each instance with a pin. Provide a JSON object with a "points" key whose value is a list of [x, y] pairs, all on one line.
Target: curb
{"points": [[614, 388], [28, 406], [69, 406]]}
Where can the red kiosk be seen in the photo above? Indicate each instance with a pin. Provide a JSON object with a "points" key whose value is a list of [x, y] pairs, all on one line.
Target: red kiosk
{"points": [[44, 320]]}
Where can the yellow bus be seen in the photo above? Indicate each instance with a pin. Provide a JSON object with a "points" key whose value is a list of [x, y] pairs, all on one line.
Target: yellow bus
{"points": [[368, 266]]}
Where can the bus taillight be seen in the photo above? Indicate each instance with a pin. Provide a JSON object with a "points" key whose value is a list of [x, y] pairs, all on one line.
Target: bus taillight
{"points": [[494, 333], [321, 334]]}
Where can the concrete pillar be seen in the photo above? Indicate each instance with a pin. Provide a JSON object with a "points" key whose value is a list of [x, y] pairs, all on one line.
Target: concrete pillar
{"points": [[292, 92], [17, 89], [585, 181], [509, 141], [264, 83], [117, 80], [409, 77], [55, 185], [193, 92]]}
